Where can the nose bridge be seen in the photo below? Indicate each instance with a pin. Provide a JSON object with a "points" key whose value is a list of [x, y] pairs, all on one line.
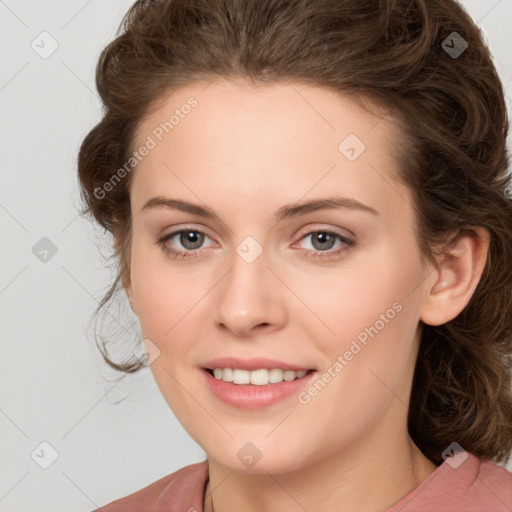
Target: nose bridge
{"points": [[250, 295]]}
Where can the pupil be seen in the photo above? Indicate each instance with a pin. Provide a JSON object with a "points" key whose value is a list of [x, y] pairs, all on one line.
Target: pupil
{"points": [[191, 239], [323, 239]]}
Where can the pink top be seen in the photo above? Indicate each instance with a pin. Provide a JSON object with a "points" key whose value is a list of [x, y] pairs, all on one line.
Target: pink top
{"points": [[468, 486]]}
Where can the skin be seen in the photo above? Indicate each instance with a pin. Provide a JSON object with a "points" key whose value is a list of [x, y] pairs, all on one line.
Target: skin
{"points": [[244, 152]]}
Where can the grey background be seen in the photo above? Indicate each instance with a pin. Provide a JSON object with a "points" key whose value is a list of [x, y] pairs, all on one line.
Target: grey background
{"points": [[112, 438]]}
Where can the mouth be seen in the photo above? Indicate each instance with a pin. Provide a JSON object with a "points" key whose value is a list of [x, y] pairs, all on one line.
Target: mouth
{"points": [[258, 387], [258, 377]]}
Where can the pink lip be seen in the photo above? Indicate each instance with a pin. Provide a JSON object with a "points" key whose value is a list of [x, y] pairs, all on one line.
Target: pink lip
{"points": [[249, 396], [251, 364]]}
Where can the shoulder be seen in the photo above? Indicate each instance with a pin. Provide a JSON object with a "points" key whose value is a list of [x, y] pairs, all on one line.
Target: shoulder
{"points": [[497, 479], [460, 483], [182, 490]]}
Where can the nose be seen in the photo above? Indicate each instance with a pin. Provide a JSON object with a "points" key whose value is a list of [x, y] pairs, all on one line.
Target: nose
{"points": [[250, 299]]}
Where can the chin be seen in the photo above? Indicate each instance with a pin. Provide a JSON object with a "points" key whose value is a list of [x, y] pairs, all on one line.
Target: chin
{"points": [[250, 459]]}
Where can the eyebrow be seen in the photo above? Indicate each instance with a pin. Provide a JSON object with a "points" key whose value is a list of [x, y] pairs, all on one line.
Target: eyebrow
{"points": [[285, 212]]}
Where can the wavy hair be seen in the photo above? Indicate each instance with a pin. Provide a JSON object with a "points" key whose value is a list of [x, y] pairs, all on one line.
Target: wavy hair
{"points": [[452, 114]]}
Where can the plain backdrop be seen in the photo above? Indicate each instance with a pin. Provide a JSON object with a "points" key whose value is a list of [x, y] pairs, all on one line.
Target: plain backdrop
{"points": [[60, 405]]}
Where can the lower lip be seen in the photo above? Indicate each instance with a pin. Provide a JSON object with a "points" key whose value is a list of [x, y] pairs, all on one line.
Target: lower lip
{"points": [[250, 396]]}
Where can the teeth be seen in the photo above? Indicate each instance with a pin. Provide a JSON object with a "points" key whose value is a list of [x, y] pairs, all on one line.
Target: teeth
{"points": [[256, 377]]}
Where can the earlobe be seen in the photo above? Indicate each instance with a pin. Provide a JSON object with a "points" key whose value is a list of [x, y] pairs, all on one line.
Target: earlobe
{"points": [[458, 272]]}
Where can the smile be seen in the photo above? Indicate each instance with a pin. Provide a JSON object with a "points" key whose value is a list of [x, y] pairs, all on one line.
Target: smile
{"points": [[261, 377], [255, 389]]}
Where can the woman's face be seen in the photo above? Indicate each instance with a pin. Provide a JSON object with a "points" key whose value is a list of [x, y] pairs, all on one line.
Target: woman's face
{"points": [[338, 290]]}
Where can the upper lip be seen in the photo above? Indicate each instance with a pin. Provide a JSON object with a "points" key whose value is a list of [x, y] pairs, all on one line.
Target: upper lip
{"points": [[252, 364]]}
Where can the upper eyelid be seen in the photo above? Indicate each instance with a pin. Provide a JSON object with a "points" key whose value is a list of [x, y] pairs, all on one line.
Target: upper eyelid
{"points": [[315, 228]]}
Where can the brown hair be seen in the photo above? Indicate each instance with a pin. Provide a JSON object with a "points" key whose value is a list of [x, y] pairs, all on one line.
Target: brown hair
{"points": [[454, 157]]}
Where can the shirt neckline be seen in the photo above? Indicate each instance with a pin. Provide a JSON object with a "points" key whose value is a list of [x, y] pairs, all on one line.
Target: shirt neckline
{"points": [[436, 485]]}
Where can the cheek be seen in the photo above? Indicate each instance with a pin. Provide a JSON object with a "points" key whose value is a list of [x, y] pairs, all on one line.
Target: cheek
{"points": [[381, 328], [162, 295], [368, 360], [373, 296], [165, 299]]}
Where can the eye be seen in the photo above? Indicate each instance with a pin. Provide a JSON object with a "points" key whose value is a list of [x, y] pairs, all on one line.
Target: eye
{"points": [[190, 239], [323, 242]]}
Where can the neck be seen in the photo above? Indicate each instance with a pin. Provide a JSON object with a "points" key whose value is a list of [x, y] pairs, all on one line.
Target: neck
{"points": [[376, 479]]}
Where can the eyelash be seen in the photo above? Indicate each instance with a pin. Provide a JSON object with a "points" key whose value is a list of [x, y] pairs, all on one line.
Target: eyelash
{"points": [[349, 243]]}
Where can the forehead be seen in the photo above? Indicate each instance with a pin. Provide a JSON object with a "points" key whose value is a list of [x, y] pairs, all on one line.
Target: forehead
{"points": [[280, 140], [236, 107]]}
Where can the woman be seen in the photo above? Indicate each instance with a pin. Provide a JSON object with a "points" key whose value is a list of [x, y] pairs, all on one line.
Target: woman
{"points": [[308, 202]]}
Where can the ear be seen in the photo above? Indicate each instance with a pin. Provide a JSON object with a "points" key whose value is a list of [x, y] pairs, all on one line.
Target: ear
{"points": [[125, 275], [456, 276]]}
